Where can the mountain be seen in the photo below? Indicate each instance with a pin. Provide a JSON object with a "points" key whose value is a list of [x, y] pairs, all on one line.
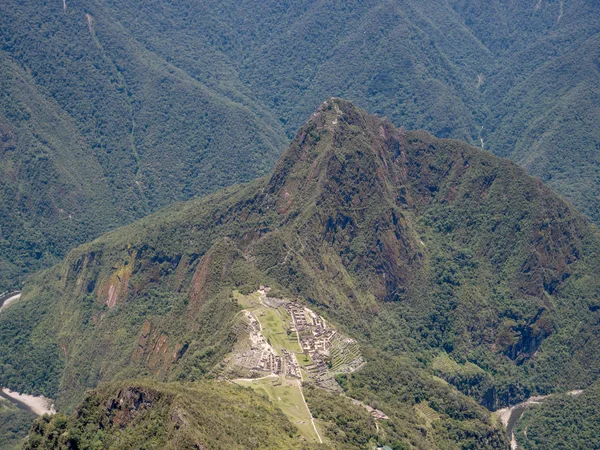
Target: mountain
{"points": [[45, 204], [451, 269], [168, 416], [114, 109], [98, 131], [541, 94], [567, 421], [143, 414], [15, 423]]}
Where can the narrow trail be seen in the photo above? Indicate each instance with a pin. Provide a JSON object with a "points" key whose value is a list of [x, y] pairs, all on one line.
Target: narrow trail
{"points": [[560, 15], [481, 138], [250, 380], [137, 174], [91, 26], [312, 419]]}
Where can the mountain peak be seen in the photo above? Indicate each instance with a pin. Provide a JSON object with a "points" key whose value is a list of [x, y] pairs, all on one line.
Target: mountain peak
{"points": [[338, 135], [345, 172], [404, 240], [332, 109], [348, 172]]}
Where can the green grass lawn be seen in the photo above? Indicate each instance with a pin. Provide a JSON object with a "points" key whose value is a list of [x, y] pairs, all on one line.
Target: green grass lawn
{"points": [[274, 323], [247, 301], [288, 398], [286, 394], [304, 359], [275, 330]]}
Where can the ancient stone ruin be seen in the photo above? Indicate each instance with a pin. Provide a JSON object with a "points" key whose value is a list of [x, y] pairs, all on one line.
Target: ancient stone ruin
{"points": [[324, 351]]}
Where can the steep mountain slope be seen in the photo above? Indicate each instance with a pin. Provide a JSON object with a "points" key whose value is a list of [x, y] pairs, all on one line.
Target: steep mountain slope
{"points": [[44, 204], [164, 103], [115, 132], [562, 421], [524, 71], [541, 94], [14, 425], [436, 257], [219, 415], [168, 416], [414, 62]]}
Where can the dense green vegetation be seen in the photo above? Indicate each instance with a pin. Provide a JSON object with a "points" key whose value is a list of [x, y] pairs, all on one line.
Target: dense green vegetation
{"points": [[423, 412], [396, 237], [562, 422], [341, 420], [112, 109], [14, 425], [541, 97], [135, 415], [97, 131], [146, 414]]}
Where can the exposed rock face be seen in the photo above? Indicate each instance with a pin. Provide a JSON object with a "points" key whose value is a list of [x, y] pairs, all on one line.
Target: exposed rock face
{"points": [[169, 416], [343, 170], [122, 409], [211, 270]]}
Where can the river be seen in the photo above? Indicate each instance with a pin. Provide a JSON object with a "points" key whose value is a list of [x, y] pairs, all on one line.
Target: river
{"points": [[7, 299], [38, 405], [510, 416]]}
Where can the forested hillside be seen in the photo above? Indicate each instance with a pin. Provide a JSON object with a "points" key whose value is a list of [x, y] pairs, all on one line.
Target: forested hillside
{"points": [[462, 279], [157, 416], [112, 109], [14, 425], [542, 90], [565, 421], [98, 131]]}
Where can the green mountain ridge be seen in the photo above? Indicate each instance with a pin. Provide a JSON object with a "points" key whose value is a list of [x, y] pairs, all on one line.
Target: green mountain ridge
{"points": [[136, 105], [135, 132], [567, 420], [168, 416], [442, 261]]}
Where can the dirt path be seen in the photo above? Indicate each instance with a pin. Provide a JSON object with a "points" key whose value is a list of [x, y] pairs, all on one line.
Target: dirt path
{"points": [[561, 12], [90, 23], [312, 419]]}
